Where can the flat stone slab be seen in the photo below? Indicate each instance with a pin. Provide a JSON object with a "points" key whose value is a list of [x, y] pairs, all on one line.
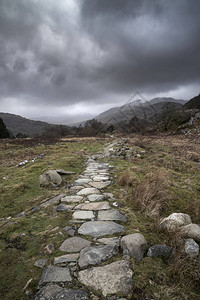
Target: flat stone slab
{"points": [[55, 292], [88, 191], [100, 228], [40, 263], [76, 188], [93, 206], [100, 178], [72, 199], [63, 172], [74, 244], [66, 258], [111, 215], [55, 274], [96, 255], [64, 207], [109, 241], [83, 215], [99, 185], [96, 197], [81, 181], [110, 279]]}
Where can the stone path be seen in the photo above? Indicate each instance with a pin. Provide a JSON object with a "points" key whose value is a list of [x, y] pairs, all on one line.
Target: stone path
{"points": [[91, 261]]}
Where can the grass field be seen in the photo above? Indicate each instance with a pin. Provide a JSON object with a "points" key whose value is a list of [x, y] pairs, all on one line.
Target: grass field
{"points": [[163, 179]]}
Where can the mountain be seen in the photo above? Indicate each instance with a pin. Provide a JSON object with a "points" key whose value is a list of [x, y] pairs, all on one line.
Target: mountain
{"points": [[146, 110], [65, 119], [17, 124], [193, 103]]}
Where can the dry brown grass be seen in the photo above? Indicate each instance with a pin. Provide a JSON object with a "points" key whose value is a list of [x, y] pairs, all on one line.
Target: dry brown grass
{"points": [[127, 179], [150, 195], [193, 156]]}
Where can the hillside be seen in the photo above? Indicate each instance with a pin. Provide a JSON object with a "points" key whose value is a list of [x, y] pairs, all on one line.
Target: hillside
{"points": [[193, 103], [17, 124]]}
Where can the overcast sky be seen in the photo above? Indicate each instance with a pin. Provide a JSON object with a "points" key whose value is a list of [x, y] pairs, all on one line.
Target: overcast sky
{"points": [[89, 55]]}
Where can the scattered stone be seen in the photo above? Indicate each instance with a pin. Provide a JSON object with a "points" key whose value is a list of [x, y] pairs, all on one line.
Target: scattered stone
{"points": [[63, 172], [88, 191], [21, 214], [191, 248], [54, 200], [110, 279], [174, 221], [93, 206], [72, 199], [109, 241], [55, 274], [66, 258], [70, 230], [159, 251], [100, 228], [64, 207], [74, 244], [96, 255], [191, 231], [40, 263], [55, 292], [134, 245], [83, 215], [36, 208], [99, 185], [49, 249], [50, 177], [96, 197], [111, 215]]}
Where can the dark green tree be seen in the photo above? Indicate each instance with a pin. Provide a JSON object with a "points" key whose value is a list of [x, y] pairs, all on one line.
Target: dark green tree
{"points": [[4, 133]]}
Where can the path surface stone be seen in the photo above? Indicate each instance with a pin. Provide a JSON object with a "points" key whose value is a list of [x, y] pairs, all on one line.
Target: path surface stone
{"points": [[88, 191], [134, 245], [55, 274], [94, 206], [109, 279], [64, 207], [83, 215], [109, 241], [99, 185], [96, 255], [111, 215], [96, 197], [66, 258], [40, 263], [100, 228], [74, 244], [72, 199], [100, 178], [55, 292]]}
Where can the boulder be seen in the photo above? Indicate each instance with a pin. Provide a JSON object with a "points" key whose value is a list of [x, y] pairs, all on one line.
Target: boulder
{"points": [[174, 221], [50, 177], [159, 251], [191, 248], [191, 231], [109, 279], [134, 245]]}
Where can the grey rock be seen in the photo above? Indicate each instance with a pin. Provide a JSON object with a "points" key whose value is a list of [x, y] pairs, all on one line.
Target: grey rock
{"points": [[55, 274], [83, 215], [55, 292], [74, 244], [111, 215], [191, 231], [191, 248], [109, 241], [66, 258], [93, 206], [63, 172], [70, 230], [134, 245], [100, 178], [159, 251], [110, 279], [52, 201], [72, 199], [174, 221], [64, 207], [50, 177], [100, 228], [96, 197], [21, 214], [88, 191], [49, 249], [76, 188], [99, 185], [40, 263], [81, 181]]}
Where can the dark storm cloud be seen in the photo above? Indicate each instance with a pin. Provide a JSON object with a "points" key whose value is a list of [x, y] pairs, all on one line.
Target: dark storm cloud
{"points": [[62, 52]]}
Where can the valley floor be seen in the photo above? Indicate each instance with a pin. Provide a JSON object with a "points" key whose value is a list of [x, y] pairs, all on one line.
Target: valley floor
{"points": [[153, 176]]}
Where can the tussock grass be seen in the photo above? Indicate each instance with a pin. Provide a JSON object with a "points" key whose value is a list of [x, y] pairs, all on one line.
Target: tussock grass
{"points": [[127, 178], [150, 194]]}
